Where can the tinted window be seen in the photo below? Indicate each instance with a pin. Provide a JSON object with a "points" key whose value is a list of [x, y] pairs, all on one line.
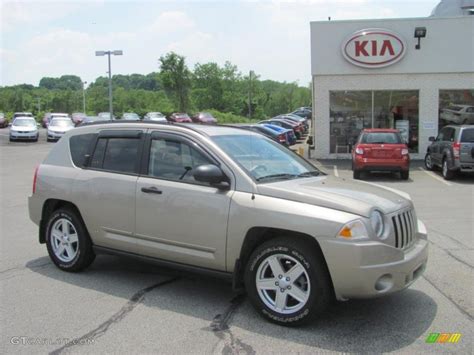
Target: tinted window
{"points": [[381, 138], [175, 160], [467, 136], [79, 146], [116, 154], [449, 135]]}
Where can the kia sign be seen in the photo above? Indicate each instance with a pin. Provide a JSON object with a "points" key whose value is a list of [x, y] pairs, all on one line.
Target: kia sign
{"points": [[374, 48]]}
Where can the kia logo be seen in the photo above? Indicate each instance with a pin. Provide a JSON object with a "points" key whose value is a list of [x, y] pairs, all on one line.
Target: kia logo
{"points": [[373, 48]]}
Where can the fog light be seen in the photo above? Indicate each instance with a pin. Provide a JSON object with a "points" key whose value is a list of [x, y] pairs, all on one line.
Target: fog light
{"points": [[384, 283]]}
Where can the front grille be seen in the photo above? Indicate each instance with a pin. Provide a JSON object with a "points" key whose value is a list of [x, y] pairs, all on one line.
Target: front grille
{"points": [[405, 228]]}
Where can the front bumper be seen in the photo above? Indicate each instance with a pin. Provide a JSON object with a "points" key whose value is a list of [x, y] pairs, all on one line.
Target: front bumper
{"points": [[368, 269], [55, 135], [369, 164], [24, 135]]}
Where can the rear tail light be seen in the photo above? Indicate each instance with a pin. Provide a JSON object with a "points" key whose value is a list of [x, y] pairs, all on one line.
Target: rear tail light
{"points": [[282, 138], [35, 179], [456, 149], [359, 151], [404, 151]]}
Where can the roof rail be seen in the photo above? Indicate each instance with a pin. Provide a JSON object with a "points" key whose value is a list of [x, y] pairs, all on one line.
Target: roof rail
{"points": [[112, 122]]}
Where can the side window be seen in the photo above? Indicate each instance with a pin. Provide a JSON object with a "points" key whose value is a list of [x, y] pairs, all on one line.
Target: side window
{"points": [[116, 154], [449, 135], [441, 135], [79, 146], [174, 160]]}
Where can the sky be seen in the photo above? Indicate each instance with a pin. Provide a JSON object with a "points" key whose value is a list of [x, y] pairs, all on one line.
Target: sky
{"points": [[272, 38]]}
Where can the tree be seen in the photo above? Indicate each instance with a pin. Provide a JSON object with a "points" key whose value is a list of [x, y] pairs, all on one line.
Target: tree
{"points": [[176, 79]]}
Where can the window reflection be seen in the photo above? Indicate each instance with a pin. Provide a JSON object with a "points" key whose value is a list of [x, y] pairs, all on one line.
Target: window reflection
{"points": [[456, 107]]}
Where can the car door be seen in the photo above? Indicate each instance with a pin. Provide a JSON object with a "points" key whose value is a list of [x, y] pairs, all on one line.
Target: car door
{"points": [[436, 147], [105, 189], [177, 218]]}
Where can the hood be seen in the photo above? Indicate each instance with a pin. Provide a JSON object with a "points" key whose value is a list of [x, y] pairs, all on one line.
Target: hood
{"points": [[336, 193], [59, 128], [24, 128]]}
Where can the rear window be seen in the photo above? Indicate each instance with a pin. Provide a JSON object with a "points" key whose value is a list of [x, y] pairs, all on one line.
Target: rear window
{"points": [[467, 135], [116, 154], [381, 138], [79, 146]]}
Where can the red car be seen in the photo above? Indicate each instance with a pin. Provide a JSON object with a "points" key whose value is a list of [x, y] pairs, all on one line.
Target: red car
{"points": [[204, 117], [380, 150], [179, 117]]}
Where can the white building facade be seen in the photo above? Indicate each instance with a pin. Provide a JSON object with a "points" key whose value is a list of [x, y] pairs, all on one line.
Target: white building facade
{"points": [[372, 74]]}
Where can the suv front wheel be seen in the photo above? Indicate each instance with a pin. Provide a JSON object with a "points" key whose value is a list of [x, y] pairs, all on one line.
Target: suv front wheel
{"points": [[287, 281], [69, 245]]}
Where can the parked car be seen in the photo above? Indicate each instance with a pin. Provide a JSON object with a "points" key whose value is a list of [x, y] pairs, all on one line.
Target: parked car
{"points": [[22, 114], [380, 149], [49, 116], [263, 216], [204, 117], [155, 116], [131, 116], [305, 112], [78, 117], [179, 117], [297, 128], [458, 114], [297, 119], [452, 150], [278, 137], [24, 128], [106, 116], [289, 133], [90, 119], [57, 127], [3, 120]]}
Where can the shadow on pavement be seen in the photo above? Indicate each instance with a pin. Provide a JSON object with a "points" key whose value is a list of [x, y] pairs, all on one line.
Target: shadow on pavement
{"points": [[376, 325]]}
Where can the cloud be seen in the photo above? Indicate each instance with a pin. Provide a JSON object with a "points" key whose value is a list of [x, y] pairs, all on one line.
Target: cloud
{"points": [[172, 21]]}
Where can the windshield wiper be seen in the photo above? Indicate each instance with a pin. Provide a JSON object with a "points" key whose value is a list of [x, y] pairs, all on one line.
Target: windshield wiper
{"points": [[276, 176], [310, 173]]}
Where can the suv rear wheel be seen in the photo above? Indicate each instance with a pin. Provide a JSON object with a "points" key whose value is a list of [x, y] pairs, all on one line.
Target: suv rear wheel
{"points": [[428, 162], [69, 245], [447, 174], [287, 281]]}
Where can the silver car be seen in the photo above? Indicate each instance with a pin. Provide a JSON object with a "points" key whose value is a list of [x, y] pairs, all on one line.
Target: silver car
{"points": [[228, 202], [24, 128], [155, 116], [57, 127]]}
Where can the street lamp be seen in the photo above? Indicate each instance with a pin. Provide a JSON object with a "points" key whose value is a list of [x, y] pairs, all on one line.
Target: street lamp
{"points": [[84, 96], [109, 53]]}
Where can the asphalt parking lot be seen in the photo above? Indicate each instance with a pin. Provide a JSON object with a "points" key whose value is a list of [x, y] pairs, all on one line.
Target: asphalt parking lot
{"points": [[124, 306]]}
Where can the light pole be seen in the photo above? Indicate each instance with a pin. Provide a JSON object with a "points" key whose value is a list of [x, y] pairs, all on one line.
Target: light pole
{"points": [[109, 53], [84, 96], [250, 94]]}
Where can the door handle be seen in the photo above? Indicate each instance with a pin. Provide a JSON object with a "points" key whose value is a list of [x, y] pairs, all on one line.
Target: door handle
{"points": [[151, 190]]}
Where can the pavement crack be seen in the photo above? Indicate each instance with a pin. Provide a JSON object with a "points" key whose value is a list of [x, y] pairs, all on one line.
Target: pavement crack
{"points": [[220, 327], [462, 310], [116, 318]]}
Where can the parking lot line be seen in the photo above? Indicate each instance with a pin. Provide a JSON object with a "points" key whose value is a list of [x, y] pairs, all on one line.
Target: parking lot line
{"points": [[434, 176], [336, 173]]}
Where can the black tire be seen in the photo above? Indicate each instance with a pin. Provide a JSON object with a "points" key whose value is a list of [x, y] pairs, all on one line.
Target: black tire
{"points": [[428, 162], [447, 174], [404, 175], [84, 255], [356, 174], [320, 291]]}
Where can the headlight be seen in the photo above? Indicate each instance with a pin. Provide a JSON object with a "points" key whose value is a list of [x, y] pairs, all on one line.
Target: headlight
{"points": [[376, 221], [353, 230]]}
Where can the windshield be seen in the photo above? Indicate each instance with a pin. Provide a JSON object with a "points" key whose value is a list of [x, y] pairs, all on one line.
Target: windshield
{"points": [[381, 138], [61, 123], [24, 122], [264, 160]]}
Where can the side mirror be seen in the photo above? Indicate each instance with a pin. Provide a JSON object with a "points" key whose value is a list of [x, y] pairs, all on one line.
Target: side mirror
{"points": [[432, 139], [211, 174]]}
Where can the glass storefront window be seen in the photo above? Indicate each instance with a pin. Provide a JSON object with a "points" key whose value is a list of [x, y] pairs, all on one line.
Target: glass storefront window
{"points": [[456, 107], [351, 111]]}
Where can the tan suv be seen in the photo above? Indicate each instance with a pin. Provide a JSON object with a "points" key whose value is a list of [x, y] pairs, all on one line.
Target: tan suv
{"points": [[229, 202]]}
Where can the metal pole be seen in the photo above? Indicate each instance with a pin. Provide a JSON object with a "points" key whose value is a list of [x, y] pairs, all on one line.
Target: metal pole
{"points": [[84, 97], [110, 88], [250, 94]]}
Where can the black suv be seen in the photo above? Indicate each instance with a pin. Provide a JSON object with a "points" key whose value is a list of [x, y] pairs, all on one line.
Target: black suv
{"points": [[452, 150]]}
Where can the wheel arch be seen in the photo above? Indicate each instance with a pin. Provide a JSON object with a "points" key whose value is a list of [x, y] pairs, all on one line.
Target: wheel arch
{"points": [[49, 207], [256, 236]]}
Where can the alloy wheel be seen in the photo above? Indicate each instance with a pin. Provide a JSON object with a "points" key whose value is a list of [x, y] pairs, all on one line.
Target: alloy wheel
{"points": [[64, 240], [283, 284]]}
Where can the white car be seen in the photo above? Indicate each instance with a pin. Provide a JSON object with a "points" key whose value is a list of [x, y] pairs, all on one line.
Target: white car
{"points": [[155, 116], [24, 128], [458, 114], [58, 126]]}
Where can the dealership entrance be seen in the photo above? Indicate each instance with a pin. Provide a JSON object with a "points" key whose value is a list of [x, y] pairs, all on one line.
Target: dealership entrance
{"points": [[395, 73]]}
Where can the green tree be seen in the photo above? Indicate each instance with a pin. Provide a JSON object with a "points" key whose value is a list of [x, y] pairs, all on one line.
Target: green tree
{"points": [[176, 79]]}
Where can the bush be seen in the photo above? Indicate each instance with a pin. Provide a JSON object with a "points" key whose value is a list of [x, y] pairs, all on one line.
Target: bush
{"points": [[224, 118]]}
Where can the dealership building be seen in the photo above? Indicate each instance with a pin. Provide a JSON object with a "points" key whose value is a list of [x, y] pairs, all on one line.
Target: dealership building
{"points": [[415, 75]]}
